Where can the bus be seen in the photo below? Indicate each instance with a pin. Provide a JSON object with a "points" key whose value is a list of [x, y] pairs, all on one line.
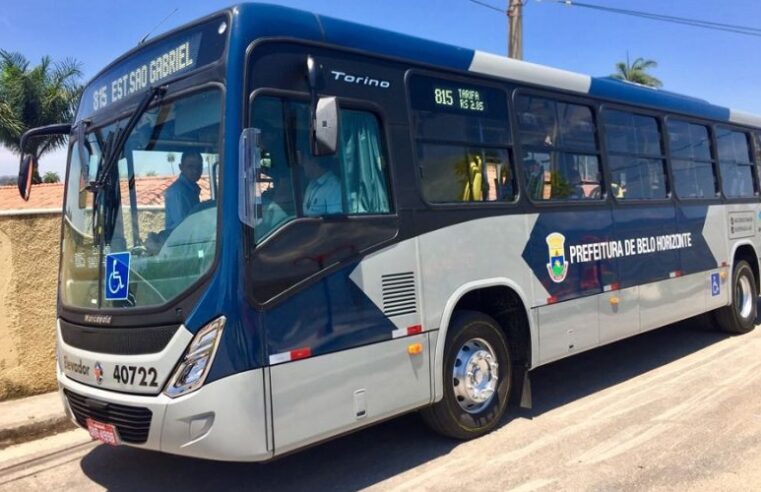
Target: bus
{"points": [[280, 227]]}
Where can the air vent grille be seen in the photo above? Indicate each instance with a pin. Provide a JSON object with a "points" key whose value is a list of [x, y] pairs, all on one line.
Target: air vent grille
{"points": [[399, 294]]}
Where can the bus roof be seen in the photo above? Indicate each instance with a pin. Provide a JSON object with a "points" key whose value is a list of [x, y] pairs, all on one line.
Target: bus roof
{"points": [[264, 20]]}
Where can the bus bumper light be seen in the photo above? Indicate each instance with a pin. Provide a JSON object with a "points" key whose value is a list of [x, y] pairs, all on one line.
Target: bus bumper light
{"points": [[192, 371]]}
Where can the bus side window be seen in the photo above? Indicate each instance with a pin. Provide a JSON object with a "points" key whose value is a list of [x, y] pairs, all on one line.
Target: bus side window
{"points": [[355, 181], [636, 157], [735, 163], [459, 173], [691, 160], [561, 158], [757, 155], [463, 141]]}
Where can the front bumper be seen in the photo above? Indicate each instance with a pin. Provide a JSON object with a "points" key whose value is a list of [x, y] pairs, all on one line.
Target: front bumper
{"points": [[224, 420]]}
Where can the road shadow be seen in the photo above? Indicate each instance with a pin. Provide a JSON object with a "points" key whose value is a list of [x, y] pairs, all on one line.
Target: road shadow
{"points": [[570, 379], [370, 456], [349, 463]]}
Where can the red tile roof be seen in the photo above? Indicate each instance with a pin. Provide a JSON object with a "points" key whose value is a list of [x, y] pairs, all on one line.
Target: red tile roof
{"points": [[150, 191], [44, 196]]}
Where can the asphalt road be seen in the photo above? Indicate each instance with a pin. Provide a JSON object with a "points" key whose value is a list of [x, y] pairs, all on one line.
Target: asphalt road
{"points": [[674, 409]]}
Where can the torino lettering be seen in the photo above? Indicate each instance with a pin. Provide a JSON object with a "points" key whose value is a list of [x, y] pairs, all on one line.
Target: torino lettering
{"points": [[360, 79]]}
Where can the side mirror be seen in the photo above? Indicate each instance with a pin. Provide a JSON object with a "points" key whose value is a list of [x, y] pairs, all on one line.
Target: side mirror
{"points": [[325, 127], [323, 133], [249, 164], [26, 171]]}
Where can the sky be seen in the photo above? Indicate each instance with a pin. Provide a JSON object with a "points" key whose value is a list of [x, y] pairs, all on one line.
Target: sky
{"points": [[721, 67]]}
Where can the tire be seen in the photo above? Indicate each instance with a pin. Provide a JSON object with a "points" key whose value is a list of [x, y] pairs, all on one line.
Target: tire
{"points": [[467, 412], [740, 316]]}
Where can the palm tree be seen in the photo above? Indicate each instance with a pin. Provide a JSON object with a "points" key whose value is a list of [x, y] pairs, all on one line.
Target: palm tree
{"points": [[36, 96], [637, 72]]}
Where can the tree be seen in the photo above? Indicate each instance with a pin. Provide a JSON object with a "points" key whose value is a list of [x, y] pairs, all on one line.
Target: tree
{"points": [[36, 96], [51, 177], [637, 72]]}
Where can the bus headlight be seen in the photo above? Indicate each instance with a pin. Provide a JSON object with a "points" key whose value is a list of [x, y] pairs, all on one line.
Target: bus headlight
{"points": [[194, 367]]}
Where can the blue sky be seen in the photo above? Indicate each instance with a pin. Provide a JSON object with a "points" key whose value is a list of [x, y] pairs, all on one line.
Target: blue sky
{"points": [[721, 67]]}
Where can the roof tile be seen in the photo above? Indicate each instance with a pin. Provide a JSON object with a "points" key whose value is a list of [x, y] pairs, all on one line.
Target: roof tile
{"points": [[150, 191]]}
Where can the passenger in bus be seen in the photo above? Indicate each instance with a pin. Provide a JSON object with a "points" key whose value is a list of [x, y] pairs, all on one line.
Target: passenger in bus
{"points": [[323, 192], [577, 188], [184, 194], [534, 178], [277, 202], [504, 185]]}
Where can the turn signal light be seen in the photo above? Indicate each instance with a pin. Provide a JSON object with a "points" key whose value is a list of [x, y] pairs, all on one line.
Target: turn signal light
{"points": [[415, 348]]}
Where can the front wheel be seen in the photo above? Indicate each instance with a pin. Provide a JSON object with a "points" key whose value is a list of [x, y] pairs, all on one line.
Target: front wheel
{"points": [[740, 316], [477, 377]]}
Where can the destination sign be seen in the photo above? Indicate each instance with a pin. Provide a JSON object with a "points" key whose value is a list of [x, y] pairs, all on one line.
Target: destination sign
{"points": [[156, 64], [434, 94], [459, 110], [460, 98]]}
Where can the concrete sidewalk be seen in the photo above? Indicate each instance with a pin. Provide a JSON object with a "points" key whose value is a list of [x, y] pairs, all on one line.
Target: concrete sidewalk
{"points": [[30, 418]]}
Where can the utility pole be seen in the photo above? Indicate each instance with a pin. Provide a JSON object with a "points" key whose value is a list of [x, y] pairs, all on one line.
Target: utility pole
{"points": [[515, 29]]}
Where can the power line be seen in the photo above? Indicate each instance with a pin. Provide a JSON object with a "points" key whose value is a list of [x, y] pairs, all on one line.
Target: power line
{"points": [[685, 21], [492, 7], [716, 26], [497, 9]]}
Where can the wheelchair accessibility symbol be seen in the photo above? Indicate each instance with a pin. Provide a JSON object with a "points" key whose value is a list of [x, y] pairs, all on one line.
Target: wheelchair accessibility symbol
{"points": [[117, 276], [715, 284]]}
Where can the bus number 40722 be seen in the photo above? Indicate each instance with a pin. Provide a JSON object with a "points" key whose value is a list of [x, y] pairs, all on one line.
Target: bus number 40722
{"points": [[128, 374]]}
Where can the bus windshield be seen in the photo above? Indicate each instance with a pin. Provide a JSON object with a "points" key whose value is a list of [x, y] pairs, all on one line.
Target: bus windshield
{"points": [[149, 231]]}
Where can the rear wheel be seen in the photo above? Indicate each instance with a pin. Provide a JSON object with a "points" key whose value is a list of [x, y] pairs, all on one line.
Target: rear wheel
{"points": [[740, 316], [477, 377]]}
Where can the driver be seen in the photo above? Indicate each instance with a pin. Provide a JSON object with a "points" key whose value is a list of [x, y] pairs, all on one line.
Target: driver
{"points": [[323, 193], [184, 194]]}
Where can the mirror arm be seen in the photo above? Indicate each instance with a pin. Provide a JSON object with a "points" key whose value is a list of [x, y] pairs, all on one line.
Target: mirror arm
{"points": [[43, 131], [312, 82], [27, 162]]}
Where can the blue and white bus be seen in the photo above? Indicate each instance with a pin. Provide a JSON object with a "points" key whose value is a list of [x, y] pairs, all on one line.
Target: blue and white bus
{"points": [[280, 227]]}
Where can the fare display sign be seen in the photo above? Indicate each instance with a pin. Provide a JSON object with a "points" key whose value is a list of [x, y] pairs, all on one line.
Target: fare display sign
{"points": [[440, 95], [460, 98], [157, 63]]}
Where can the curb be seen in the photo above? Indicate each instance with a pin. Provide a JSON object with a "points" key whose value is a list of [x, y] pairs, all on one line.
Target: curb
{"points": [[35, 430]]}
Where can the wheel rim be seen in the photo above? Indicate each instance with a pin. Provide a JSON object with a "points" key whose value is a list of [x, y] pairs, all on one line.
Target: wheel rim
{"points": [[744, 296], [475, 375]]}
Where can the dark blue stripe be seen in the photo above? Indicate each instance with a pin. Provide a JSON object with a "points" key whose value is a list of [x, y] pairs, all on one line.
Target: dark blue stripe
{"points": [[594, 226], [260, 21], [389, 43], [331, 315], [272, 21], [655, 98]]}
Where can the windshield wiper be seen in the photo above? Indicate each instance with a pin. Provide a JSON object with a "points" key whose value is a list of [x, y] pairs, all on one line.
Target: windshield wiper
{"points": [[121, 138], [110, 158]]}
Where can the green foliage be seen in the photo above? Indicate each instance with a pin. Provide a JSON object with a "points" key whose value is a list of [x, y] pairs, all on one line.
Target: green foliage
{"points": [[36, 96], [637, 72], [560, 186], [51, 177]]}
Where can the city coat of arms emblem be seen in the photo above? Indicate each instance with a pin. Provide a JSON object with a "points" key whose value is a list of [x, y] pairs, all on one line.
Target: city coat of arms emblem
{"points": [[557, 267]]}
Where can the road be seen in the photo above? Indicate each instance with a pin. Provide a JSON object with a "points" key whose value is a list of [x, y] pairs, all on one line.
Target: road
{"points": [[674, 409]]}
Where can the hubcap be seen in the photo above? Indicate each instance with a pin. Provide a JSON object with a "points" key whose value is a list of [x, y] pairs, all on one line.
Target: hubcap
{"points": [[744, 297], [475, 375]]}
